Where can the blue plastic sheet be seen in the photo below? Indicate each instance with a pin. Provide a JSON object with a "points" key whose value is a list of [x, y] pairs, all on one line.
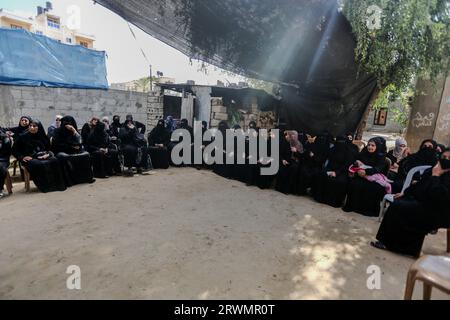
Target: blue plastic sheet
{"points": [[34, 60]]}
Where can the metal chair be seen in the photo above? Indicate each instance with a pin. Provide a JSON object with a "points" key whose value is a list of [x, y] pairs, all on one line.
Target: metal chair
{"points": [[389, 198], [433, 271]]}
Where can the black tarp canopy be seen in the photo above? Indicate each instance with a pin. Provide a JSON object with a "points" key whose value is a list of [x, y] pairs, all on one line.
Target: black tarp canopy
{"points": [[307, 46]]}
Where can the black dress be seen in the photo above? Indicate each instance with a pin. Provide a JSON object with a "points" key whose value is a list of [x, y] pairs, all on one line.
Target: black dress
{"points": [[312, 162], [255, 173], [287, 178], [332, 190], [46, 174], [160, 155], [364, 196], [424, 157], [96, 143], [134, 148], [5, 155], [76, 163], [423, 208], [222, 169]]}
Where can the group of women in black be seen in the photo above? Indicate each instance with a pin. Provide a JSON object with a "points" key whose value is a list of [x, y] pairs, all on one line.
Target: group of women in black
{"points": [[332, 170], [68, 157]]}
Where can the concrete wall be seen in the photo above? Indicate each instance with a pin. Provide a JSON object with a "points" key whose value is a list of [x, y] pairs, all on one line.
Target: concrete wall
{"points": [[44, 103]]}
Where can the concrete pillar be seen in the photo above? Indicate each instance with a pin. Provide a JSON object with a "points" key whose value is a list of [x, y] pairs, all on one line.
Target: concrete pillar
{"points": [[187, 108], [203, 95]]}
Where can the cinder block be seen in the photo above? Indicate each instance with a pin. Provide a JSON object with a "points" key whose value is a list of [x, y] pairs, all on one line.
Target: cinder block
{"points": [[220, 116], [214, 123], [220, 109]]}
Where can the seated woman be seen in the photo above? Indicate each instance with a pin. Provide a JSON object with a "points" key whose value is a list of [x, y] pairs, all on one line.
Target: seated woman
{"points": [[314, 157], [330, 185], [5, 154], [423, 208], [76, 163], [32, 149], [24, 123], [426, 156], [158, 140], [290, 154], [255, 177], [364, 196], [133, 147], [104, 155], [396, 155], [222, 169]]}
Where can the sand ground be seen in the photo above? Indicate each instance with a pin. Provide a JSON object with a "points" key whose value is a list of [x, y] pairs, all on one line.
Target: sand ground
{"points": [[188, 234]]}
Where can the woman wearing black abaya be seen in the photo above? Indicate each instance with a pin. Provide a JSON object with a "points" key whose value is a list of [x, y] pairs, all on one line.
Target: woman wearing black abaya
{"points": [[426, 156], [364, 196], [5, 155], [330, 185], [255, 176], [222, 169], [424, 207], [104, 155], [24, 123], [158, 140], [76, 163], [314, 157], [290, 153], [32, 149]]}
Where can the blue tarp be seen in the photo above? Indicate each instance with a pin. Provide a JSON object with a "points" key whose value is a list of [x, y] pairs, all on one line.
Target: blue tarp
{"points": [[33, 60]]}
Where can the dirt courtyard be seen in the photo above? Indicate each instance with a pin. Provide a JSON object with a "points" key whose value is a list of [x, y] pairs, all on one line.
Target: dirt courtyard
{"points": [[188, 234]]}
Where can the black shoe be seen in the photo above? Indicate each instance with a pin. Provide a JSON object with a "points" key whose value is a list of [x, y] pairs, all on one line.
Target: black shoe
{"points": [[378, 245], [128, 173]]}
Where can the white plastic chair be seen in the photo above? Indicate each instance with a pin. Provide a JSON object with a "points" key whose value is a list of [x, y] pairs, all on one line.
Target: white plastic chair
{"points": [[389, 198]]}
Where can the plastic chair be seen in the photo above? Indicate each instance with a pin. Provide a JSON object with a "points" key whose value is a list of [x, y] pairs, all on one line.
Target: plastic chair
{"points": [[389, 198], [433, 271]]}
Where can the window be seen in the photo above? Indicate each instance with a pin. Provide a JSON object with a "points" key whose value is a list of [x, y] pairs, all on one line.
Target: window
{"points": [[13, 26], [69, 40], [84, 44], [40, 33], [53, 23], [380, 117]]}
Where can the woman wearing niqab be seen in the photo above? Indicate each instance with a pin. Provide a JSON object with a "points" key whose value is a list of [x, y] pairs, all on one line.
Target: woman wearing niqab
{"points": [[67, 145]]}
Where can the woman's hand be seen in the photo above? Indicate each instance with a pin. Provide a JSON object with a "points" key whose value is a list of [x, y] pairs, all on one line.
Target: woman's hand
{"points": [[332, 174], [362, 173], [26, 159], [44, 157], [71, 128], [398, 195], [285, 163], [294, 149]]}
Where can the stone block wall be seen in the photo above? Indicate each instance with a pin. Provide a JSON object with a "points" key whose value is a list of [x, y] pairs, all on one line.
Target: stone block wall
{"points": [[45, 103]]}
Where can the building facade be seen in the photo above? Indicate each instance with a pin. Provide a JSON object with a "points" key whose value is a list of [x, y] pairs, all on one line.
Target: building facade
{"points": [[48, 24]]}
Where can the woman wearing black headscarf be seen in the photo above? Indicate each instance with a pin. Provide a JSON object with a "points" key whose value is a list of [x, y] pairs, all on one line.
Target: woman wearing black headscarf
{"points": [[5, 155], [32, 149], [423, 208], [426, 156], [104, 155], [290, 155], [330, 185], [158, 140], [222, 169], [314, 157], [255, 177], [24, 123], [364, 196], [67, 146]]}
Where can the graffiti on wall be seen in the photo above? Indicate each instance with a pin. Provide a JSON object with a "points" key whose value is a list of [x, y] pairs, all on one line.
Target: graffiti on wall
{"points": [[423, 121], [444, 123]]}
